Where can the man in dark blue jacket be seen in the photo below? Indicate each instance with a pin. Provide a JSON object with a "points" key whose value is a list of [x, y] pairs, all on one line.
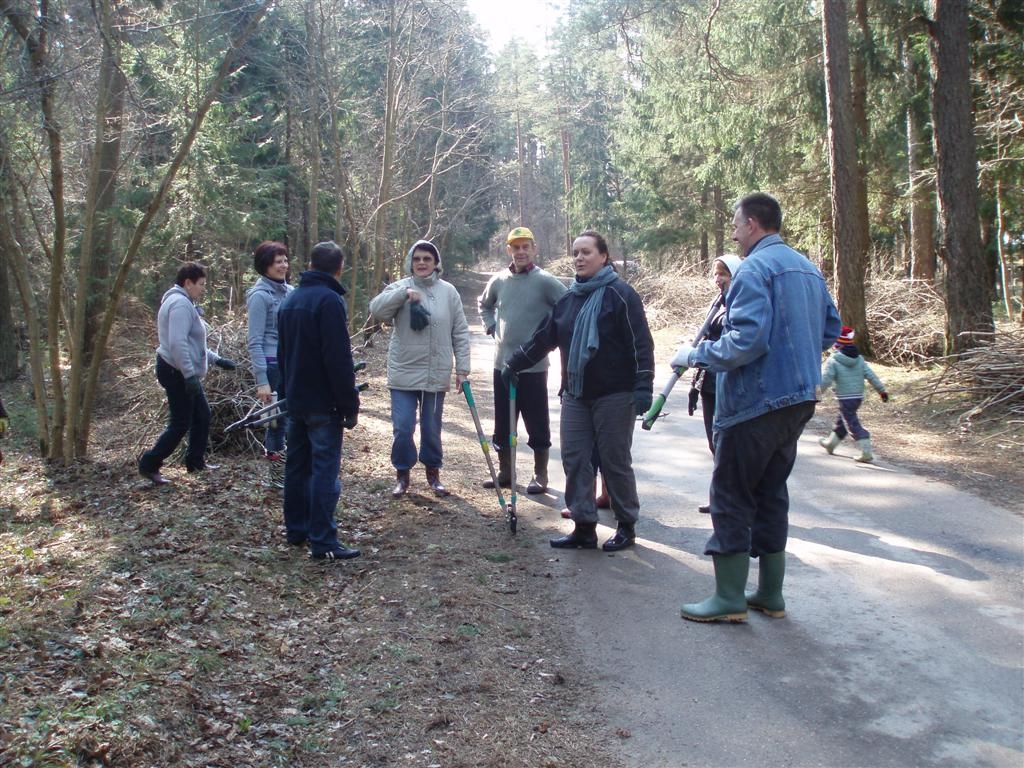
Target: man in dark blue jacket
{"points": [[314, 355]]}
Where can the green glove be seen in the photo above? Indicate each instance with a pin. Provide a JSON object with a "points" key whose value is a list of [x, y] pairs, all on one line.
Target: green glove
{"points": [[4, 423]]}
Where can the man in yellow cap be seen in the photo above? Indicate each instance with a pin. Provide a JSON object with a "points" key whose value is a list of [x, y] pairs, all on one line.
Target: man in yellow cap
{"points": [[516, 301]]}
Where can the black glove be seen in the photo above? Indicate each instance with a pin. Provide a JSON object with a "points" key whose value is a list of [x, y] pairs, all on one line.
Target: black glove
{"points": [[509, 377], [691, 404], [349, 420], [227, 365], [490, 330], [419, 317], [884, 396], [193, 387], [642, 400]]}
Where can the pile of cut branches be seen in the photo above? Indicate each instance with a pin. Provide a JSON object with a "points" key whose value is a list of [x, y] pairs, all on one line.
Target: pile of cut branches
{"points": [[906, 320], [991, 378]]}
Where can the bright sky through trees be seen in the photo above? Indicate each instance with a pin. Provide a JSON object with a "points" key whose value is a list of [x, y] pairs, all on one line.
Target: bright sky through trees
{"points": [[529, 20]]}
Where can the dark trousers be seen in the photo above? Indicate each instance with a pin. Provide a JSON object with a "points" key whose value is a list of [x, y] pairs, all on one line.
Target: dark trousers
{"points": [[311, 484], [531, 403], [188, 416], [749, 498], [848, 408], [707, 409]]}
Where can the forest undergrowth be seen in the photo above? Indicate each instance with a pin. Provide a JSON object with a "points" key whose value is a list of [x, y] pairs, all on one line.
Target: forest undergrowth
{"points": [[173, 626]]}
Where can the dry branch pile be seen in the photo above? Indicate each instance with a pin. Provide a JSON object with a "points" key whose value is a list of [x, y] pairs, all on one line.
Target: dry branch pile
{"points": [[906, 321], [991, 377]]}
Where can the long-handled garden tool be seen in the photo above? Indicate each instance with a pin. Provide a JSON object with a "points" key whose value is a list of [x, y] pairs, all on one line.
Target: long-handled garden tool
{"points": [[655, 410], [268, 413], [485, 444], [513, 440]]}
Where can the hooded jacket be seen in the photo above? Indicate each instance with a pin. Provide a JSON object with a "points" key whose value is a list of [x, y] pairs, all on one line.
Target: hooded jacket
{"points": [[262, 302], [848, 372], [422, 360], [182, 334], [703, 379]]}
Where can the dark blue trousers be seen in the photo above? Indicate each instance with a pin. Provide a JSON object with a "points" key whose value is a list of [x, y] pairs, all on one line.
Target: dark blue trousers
{"points": [[311, 483], [749, 498]]}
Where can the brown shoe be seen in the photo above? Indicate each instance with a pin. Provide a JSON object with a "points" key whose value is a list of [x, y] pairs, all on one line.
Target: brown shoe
{"points": [[401, 484], [434, 481]]}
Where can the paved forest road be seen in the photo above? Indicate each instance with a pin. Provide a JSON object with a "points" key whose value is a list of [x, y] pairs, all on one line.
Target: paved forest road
{"points": [[904, 639]]}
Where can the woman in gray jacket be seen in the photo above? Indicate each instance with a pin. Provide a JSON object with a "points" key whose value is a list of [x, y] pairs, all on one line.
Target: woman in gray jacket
{"points": [[182, 360], [270, 260], [429, 329]]}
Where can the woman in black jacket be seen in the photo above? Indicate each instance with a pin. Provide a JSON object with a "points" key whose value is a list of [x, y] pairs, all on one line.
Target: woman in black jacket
{"points": [[607, 355]]}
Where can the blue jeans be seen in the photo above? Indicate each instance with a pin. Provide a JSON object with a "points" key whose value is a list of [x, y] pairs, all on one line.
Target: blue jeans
{"points": [[848, 408], [749, 498], [274, 440], [311, 484], [405, 406], [188, 416]]}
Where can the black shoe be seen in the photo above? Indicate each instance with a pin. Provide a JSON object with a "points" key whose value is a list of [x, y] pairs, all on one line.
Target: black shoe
{"points": [[205, 468], [624, 537], [704, 509], [154, 477], [583, 536], [295, 542], [340, 552]]}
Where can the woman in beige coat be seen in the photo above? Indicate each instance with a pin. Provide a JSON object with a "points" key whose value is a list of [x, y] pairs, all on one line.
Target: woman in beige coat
{"points": [[429, 330]]}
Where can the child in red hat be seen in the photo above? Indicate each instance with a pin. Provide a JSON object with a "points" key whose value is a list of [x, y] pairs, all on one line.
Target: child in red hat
{"points": [[846, 369]]}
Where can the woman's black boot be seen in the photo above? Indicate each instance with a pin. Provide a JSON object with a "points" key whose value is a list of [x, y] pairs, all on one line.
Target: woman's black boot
{"points": [[583, 536]]}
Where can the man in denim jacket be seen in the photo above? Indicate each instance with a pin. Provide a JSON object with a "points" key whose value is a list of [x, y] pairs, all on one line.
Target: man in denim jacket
{"points": [[779, 319]]}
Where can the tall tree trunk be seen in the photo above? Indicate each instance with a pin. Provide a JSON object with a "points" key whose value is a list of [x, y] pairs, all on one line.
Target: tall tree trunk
{"points": [[35, 32], [705, 255], [8, 333], [719, 221], [313, 129], [862, 136], [920, 189], [18, 263], [97, 232], [391, 92], [848, 244], [968, 280], [344, 215]]}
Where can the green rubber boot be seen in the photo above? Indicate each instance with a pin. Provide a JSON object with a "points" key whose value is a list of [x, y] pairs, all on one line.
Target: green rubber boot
{"points": [[866, 455], [829, 443], [728, 603], [768, 597]]}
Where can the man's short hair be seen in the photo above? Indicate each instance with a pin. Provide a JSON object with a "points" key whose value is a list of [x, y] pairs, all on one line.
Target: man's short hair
{"points": [[764, 208], [326, 257], [191, 271]]}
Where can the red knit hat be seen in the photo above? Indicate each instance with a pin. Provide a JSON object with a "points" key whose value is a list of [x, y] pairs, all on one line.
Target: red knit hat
{"points": [[845, 336]]}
